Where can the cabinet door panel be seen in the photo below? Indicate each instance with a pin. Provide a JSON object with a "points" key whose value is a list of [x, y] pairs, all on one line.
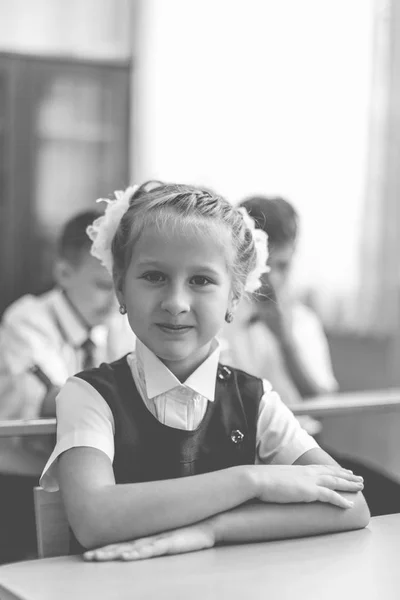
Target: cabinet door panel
{"points": [[70, 146]]}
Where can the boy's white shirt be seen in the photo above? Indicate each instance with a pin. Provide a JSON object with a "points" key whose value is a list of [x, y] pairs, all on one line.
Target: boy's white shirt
{"points": [[85, 419], [253, 348], [44, 331], [312, 343]]}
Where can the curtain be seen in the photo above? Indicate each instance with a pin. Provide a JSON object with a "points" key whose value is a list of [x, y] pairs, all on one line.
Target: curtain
{"points": [[377, 309]]}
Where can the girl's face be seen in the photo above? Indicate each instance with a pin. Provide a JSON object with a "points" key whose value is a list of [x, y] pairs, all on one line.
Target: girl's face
{"points": [[177, 290]]}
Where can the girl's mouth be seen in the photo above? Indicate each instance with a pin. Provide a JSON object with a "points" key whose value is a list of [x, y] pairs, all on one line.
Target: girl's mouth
{"points": [[169, 327]]}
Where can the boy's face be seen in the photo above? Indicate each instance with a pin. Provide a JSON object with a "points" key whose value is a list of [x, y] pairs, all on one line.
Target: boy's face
{"points": [[177, 290], [89, 287], [280, 262]]}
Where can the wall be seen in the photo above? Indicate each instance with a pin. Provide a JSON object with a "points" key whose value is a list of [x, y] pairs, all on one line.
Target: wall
{"points": [[93, 29], [364, 363]]}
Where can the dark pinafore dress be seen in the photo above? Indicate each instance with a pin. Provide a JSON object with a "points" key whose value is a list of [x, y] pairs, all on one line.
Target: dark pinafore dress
{"points": [[147, 450]]}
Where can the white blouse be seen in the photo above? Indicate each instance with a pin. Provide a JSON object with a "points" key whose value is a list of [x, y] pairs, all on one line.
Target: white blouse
{"points": [[85, 419]]}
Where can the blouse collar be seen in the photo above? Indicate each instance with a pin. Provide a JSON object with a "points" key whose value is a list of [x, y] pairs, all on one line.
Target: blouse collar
{"points": [[158, 378]]}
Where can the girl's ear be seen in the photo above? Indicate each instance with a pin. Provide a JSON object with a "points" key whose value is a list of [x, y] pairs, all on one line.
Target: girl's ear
{"points": [[118, 286], [233, 304], [120, 298]]}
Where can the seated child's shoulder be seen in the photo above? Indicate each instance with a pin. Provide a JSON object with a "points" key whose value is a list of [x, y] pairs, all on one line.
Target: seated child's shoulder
{"points": [[303, 314], [26, 308]]}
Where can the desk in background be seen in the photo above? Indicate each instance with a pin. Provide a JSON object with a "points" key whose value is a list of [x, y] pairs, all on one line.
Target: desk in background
{"points": [[376, 401], [24, 428], [353, 565], [361, 425], [323, 406]]}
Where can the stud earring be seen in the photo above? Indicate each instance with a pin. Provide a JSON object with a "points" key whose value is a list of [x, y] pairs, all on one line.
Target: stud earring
{"points": [[229, 316], [122, 309]]}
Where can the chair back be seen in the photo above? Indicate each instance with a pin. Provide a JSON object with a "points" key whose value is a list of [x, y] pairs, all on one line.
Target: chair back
{"points": [[52, 529]]}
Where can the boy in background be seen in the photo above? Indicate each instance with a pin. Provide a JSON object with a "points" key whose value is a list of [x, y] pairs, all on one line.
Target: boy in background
{"points": [[274, 335], [44, 340]]}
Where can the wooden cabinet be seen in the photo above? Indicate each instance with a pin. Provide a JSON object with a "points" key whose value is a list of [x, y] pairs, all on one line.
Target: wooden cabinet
{"points": [[64, 140]]}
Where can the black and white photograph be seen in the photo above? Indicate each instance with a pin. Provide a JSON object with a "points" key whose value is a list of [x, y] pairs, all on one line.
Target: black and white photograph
{"points": [[199, 299]]}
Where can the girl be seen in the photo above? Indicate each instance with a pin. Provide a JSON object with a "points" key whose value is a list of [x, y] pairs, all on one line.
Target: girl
{"points": [[166, 440]]}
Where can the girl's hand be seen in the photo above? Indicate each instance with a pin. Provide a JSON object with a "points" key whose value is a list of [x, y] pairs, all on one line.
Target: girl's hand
{"points": [[185, 539], [310, 483]]}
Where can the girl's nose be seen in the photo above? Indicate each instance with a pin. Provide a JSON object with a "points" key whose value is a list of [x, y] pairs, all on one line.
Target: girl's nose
{"points": [[175, 301]]}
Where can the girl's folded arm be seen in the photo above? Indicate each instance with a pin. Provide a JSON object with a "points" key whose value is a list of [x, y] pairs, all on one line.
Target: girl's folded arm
{"points": [[101, 512], [359, 515], [262, 522]]}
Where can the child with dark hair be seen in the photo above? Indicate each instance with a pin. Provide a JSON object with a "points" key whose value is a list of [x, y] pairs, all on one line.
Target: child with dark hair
{"points": [[43, 340], [276, 216], [274, 335], [279, 338], [73, 242]]}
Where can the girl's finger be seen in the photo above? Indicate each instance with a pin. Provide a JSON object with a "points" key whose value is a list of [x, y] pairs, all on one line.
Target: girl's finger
{"points": [[157, 547], [90, 554], [129, 555], [350, 476], [332, 497], [105, 553], [138, 554], [337, 483], [186, 539], [344, 474], [121, 551], [176, 542], [99, 555]]}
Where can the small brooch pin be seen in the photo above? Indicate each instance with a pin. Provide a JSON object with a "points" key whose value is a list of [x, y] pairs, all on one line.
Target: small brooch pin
{"points": [[224, 373], [237, 436]]}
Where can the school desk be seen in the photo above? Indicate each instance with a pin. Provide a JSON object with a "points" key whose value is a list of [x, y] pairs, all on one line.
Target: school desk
{"points": [[322, 406], [344, 403], [21, 427], [361, 425], [359, 564]]}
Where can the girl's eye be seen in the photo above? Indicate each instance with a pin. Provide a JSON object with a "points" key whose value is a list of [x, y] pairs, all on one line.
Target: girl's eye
{"points": [[200, 280], [154, 277]]}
